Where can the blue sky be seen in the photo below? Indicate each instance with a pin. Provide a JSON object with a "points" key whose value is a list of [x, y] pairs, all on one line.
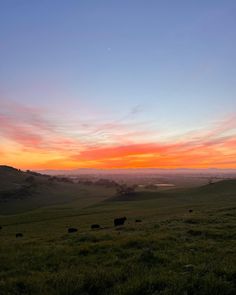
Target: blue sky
{"points": [[170, 64]]}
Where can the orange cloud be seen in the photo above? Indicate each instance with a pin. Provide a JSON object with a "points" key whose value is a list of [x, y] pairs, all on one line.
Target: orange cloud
{"points": [[30, 140], [164, 156]]}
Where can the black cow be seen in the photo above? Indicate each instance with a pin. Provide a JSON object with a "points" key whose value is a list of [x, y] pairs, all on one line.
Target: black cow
{"points": [[119, 221], [0, 227], [95, 226], [138, 220], [190, 210], [19, 235], [72, 230]]}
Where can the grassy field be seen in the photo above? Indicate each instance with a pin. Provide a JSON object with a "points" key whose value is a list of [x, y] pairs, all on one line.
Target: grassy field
{"points": [[172, 251]]}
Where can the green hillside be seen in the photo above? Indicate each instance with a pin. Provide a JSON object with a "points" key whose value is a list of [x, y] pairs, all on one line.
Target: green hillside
{"points": [[221, 187], [170, 252], [222, 191], [22, 191]]}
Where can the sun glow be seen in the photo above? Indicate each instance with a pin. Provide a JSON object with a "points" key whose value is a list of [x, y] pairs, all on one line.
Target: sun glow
{"points": [[30, 141]]}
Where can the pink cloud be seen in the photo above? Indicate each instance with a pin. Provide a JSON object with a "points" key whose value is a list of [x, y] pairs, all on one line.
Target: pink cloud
{"points": [[115, 144], [200, 149]]}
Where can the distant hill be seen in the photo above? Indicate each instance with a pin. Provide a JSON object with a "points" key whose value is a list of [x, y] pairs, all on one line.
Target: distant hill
{"points": [[177, 171], [17, 184], [21, 191], [221, 190], [225, 187]]}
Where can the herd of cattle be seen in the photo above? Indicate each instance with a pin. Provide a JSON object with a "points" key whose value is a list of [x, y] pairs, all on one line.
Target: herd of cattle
{"points": [[117, 222]]}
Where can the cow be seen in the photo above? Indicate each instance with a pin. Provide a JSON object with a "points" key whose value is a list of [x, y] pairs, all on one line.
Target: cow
{"points": [[95, 226], [19, 235], [119, 221], [0, 227], [190, 210], [72, 230], [138, 220]]}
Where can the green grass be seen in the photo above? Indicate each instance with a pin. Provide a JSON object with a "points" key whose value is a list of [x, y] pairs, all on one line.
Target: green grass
{"points": [[171, 252]]}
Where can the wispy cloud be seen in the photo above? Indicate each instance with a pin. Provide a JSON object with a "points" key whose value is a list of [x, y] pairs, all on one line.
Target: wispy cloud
{"points": [[55, 142], [199, 149], [32, 129]]}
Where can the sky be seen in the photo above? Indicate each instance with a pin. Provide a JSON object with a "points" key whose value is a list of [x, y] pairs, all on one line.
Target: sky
{"points": [[118, 84]]}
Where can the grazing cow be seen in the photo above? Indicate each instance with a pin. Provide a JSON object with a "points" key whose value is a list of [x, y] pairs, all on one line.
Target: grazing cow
{"points": [[19, 235], [72, 230], [119, 221], [95, 226], [138, 220], [190, 210]]}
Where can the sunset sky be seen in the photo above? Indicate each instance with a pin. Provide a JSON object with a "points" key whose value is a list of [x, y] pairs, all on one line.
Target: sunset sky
{"points": [[118, 84]]}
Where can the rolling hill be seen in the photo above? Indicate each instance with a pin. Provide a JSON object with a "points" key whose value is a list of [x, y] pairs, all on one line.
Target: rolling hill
{"points": [[22, 191], [224, 188], [171, 251]]}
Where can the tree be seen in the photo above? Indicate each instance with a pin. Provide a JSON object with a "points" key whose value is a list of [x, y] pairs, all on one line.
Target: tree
{"points": [[124, 190]]}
